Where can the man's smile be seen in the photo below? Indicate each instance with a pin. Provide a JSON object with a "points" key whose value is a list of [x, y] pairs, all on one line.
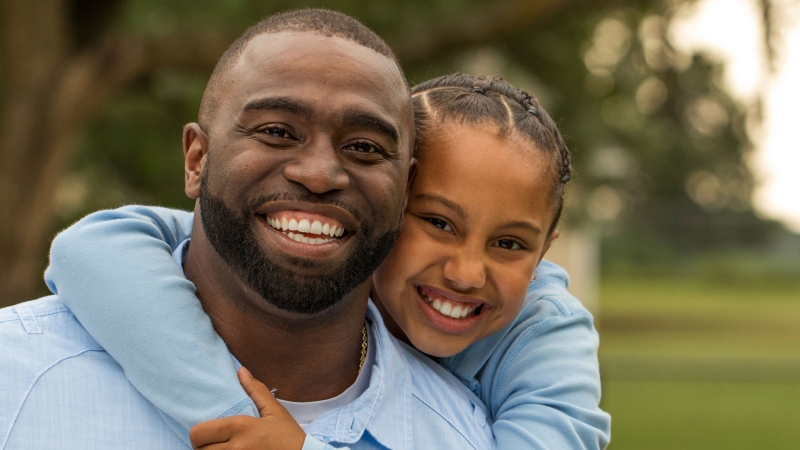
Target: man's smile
{"points": [[305, 227]]}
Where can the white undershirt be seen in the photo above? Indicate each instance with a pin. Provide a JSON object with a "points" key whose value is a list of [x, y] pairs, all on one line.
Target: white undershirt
{"points": [[306, 412]]}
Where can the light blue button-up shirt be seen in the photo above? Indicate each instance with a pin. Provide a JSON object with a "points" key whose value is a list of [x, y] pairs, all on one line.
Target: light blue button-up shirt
{"points": [[59, 389]]}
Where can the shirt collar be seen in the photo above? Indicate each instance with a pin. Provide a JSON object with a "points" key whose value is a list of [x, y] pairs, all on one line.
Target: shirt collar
{"points": [[179, 254], [384, 409]]}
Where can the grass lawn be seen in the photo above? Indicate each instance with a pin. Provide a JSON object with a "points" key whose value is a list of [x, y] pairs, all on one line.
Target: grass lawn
{"points": [[702, 416], [699, 364]]}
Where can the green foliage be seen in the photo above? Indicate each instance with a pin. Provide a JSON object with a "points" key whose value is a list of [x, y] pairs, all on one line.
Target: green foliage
{"points": [[658, 145]]}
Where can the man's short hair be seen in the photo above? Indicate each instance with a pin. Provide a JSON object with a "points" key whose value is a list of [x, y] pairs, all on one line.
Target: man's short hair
{"points": [[324, 21]]}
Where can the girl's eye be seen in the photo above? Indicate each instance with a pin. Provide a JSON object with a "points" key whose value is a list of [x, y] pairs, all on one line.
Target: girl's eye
{"points": [[440, 224], [508, 244]]}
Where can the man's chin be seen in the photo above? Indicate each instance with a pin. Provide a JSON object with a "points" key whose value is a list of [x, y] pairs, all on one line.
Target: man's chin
{"points": [[293, 276]]}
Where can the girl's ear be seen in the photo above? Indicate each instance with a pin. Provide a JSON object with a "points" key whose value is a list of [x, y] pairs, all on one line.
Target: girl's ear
{"points": [[195, 149], [553, 236], [412, 172]]}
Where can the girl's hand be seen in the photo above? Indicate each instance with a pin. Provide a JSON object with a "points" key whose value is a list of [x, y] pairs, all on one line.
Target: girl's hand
{"points": [[276, 429]]}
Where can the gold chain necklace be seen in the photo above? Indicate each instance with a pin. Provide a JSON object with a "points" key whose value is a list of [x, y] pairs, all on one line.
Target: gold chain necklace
{"points": [[364, 345]]}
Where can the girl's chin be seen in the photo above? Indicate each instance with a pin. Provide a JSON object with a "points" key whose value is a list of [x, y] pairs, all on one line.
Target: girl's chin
{"points": [[432, 344]]}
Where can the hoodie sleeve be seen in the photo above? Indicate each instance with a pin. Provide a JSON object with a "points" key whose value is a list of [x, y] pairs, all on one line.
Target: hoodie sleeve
{"points": [[115, 270]]}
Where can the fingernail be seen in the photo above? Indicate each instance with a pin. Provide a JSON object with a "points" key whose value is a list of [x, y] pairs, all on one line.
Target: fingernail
{"points": [[246, 372]]}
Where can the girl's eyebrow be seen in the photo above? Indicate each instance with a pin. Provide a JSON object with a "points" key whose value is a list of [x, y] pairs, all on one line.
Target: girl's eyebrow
{"points": [[447, 203], [463, 214], [521, 224]]}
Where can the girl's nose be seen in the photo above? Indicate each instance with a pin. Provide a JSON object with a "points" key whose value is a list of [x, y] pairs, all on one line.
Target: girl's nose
{"points": [[465, 270]]}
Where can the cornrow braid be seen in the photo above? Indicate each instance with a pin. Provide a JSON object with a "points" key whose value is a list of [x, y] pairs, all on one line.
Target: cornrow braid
{"points": [[490, 100]]}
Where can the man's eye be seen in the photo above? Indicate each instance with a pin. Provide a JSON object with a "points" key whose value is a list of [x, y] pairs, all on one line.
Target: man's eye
{"points": [[278, 132], [508, 244], [363, 147], [440, 224]]}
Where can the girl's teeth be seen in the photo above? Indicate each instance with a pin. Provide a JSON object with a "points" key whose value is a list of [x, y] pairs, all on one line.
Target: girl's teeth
{"points": [[447, 308]]}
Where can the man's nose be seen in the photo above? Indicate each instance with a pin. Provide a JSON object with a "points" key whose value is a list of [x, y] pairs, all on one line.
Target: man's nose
{"points": [[465, 269], [318, 167]]}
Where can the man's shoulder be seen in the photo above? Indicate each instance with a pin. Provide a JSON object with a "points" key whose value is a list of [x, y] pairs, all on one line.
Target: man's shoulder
{"points": [[42, 329], [59, 388]]}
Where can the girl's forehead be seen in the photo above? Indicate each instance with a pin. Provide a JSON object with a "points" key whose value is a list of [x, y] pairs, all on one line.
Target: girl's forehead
{"points": [[482, 170], [454, 144]]}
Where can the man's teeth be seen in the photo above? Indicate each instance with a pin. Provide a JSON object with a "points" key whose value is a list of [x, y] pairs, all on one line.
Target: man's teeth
{"points": [[306, 240], [304, 226], [447, 308]]}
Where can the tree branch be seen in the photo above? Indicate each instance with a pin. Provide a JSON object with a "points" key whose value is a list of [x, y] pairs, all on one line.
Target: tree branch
{"points": [[498, 19]]}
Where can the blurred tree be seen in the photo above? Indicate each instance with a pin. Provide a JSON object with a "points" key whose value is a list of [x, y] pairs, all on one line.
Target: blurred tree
{"points": [[64, 59], [112, 81]]}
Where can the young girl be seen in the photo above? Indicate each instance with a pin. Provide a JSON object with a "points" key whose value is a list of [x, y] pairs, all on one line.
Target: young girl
{"points": [[481, 213]]}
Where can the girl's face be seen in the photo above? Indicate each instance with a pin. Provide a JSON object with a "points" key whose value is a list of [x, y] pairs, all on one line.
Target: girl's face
{"points": [[475, 228]]}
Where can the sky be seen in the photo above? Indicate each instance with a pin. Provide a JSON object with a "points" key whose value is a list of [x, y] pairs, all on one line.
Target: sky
{"points": [[730, 31]]}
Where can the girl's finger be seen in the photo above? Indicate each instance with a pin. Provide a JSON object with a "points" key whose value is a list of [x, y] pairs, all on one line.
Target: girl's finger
{"points": [[218, 446], [215, 431], [259, 392]]}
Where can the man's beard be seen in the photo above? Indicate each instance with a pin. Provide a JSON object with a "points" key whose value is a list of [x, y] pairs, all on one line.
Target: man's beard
{"points": [[232, 236]]}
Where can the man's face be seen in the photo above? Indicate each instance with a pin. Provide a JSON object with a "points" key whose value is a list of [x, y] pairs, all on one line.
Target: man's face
{"points": [[307, 163]]}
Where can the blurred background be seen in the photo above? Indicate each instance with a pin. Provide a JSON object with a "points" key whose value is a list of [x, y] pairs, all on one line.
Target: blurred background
{"points": [[681, 225]]}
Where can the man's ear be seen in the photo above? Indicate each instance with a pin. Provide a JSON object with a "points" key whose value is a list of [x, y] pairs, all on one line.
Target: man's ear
{"points": [[553, 236], [195, 149]]}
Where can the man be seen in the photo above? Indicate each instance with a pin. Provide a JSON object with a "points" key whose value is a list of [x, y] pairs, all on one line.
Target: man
{"points": [[307, 116]]}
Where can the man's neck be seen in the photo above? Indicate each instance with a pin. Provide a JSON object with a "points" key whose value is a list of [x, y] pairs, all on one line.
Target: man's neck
{"points": [[304, 358]]}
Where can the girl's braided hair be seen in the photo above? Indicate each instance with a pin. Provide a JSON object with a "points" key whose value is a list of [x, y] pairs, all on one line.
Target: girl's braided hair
{"points": [[492, 101]]}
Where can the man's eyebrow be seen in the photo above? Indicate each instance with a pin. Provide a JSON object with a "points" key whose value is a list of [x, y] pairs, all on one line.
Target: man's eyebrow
{"points": [[447, 203], [279, 104], [362, 119]]}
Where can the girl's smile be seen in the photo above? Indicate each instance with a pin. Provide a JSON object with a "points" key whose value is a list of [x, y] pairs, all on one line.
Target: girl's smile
{"points": [[449, 311], [475, 228]]}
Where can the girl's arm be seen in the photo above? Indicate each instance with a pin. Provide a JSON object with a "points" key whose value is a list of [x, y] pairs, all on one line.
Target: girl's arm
{"points": [[539, 377], [114, 269], [547, 392]]}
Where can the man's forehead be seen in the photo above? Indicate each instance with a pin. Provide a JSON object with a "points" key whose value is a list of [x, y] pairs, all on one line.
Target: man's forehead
{"points": [[285, 50], [309, 68]]}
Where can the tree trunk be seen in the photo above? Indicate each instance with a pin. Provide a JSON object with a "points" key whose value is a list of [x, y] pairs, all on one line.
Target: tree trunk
{"points": [[35, 42], [49, 94]]}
